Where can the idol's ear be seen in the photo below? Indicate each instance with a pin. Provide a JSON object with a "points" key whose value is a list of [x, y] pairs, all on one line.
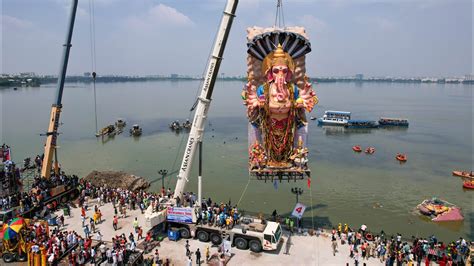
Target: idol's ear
{"points": [[270, 76], [289, 75]]}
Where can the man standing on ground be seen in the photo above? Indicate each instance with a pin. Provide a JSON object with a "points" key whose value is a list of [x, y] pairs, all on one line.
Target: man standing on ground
{"points": [[188, 252], [115, 223], [207, 254], [198, 257], [86, 231], [334, 245], [135, 225]]}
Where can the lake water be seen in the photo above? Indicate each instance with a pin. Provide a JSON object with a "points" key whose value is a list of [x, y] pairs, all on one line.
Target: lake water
{"points": [[346, 187]]}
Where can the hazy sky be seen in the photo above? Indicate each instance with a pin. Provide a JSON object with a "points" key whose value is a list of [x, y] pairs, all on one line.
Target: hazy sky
{"points": [[140, 37]]}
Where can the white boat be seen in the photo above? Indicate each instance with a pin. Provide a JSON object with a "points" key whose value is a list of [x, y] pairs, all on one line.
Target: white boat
{"points": [[335, 118]]}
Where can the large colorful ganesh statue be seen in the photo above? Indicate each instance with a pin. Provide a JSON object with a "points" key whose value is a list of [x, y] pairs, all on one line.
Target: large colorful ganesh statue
{"points": [[277, 96]]}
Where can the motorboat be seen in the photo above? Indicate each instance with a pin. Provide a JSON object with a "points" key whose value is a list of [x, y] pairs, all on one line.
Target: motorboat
{"points": [[387, 121], [464, 174], [106, 131], [136, 130], [335, 118], [120, 123], [361, 124], [357, 148], [370, 150], [469, 184], [401, 157]]}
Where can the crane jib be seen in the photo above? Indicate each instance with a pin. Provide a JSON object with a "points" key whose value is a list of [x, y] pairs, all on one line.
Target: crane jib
{"points": [[187, 154], [207, 83]]}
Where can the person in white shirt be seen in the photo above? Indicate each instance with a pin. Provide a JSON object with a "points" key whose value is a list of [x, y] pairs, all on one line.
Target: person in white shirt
{"points": [[98, 236], [114, 258], [51, 258], [133, 246], [93, 255]]}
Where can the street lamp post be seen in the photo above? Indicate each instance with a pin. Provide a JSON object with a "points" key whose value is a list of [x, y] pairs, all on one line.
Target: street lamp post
{"points": [[297, 192], [163, 173]]}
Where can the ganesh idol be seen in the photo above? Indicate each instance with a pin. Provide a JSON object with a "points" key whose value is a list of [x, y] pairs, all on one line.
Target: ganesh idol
{"points": [[276, 107]]}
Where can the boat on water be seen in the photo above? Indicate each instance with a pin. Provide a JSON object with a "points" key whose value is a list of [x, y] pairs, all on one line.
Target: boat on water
{"points": [[357, 148], [106, 131], [469, 184], [398, 122], [335, 118], [187, 124], [401, 157], [175, 126], [370, 150], [136, 130], [440, 211], [464, 174], [361, 124], [120, 123]]}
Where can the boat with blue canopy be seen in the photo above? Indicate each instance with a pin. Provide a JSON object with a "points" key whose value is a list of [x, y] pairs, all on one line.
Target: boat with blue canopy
{"points": [[335, 118], [361, 124], [387, 121]]}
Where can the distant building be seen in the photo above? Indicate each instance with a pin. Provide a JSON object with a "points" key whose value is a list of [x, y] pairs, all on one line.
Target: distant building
{"points": [[87, 74], [469, 77], [174, 76], [359, 76], [27, 74]]}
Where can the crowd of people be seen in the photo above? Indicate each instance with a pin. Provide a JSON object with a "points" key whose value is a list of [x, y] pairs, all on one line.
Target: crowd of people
{"points": [[395, 250], [38, 194]]}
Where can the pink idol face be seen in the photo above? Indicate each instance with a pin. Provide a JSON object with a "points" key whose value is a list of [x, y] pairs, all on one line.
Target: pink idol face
{"points": [[279, 71]]}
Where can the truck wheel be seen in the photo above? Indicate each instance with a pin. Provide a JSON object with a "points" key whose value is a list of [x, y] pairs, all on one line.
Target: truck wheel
{"points": [[8, 257], [203, 236], [185, 233], [216, 239], [241, 243], [21, 257], [255, 246]]}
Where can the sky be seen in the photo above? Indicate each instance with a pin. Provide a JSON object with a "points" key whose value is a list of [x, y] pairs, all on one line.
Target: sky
{"points": [[161, 37]]}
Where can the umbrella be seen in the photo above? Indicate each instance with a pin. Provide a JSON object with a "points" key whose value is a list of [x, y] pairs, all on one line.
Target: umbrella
{"points": [[11, 230], [16, 224], [7, 233]]}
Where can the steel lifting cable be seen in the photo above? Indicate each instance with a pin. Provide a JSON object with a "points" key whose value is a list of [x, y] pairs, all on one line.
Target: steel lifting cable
{"points": [[93, 56], [243, 192], [312, 209]]}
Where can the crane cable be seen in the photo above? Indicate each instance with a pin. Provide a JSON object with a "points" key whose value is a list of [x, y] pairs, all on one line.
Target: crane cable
{"points": [[243, 192], [93, 56]]}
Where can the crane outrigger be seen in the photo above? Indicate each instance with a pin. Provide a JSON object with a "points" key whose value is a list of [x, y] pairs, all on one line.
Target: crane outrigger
{"points": [[50, 148]]}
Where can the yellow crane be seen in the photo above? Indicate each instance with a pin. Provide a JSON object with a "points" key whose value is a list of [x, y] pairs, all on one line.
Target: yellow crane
{"points": [[52, 133]]}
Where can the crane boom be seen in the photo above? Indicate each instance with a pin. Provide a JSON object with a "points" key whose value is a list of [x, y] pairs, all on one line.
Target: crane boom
{"points": [[51, 135], [204, 100]]}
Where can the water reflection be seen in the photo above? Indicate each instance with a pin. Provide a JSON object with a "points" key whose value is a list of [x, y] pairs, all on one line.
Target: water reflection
{"points": [[341, 130]]}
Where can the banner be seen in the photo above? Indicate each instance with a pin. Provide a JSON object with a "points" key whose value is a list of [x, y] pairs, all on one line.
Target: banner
{"points": [[298, 210], [179, 215]]}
